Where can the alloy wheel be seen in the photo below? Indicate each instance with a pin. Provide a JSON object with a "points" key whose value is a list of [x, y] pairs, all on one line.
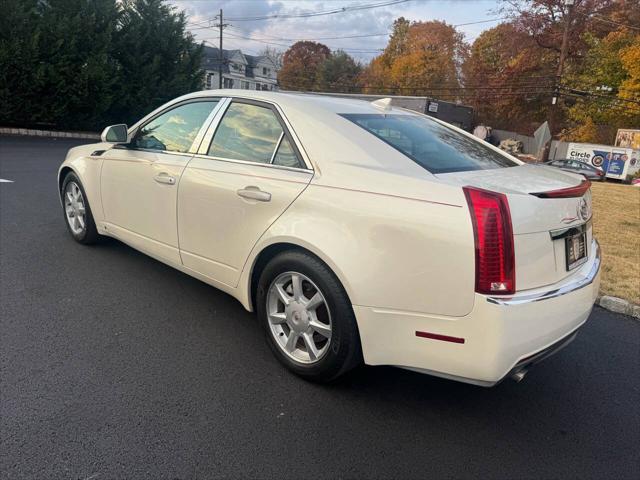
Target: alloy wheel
{"points": [[74, 208], [299, 317]]}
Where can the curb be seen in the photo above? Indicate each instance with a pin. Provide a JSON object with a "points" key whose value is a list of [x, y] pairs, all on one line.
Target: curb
{"points": [[47, 133], [619, 305]]}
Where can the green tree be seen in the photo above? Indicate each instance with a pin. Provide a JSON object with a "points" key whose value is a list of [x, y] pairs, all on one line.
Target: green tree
{"points": [[18, 57], [76, 72], [55, 61], [397, 45], [610, 62], [338, 72], [85, 63], [157, 58]]}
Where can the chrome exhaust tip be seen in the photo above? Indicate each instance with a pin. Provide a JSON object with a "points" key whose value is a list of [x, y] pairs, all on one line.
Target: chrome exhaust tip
{"points": [[519, 375]]}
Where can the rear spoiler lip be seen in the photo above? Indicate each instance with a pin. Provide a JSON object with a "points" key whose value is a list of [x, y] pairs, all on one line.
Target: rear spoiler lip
{"points": [[570, 192]]}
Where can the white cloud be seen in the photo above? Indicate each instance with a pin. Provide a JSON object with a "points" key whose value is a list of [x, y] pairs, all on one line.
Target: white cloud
{"points": [[359, 22]]}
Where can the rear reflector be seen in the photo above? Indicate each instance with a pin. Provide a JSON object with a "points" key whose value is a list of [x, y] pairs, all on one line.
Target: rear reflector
{"points": [[570, 192], [437, 336], [493, 235]]}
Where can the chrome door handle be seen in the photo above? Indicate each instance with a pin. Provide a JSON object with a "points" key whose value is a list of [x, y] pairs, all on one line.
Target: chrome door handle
{"points": [[254, 193], [166, 179]]}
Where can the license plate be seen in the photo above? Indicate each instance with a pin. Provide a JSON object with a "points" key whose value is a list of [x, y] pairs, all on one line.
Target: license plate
{"points": [[576, 250]]}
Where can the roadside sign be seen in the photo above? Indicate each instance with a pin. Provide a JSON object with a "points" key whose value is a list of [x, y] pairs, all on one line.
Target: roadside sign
{"points": [[615, 161], [628, 138]]}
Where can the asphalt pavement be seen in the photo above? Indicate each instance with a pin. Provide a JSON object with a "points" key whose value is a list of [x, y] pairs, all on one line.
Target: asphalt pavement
{"points": [[113, 365]]}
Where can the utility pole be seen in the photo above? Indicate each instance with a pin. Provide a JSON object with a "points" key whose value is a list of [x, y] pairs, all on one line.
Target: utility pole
{"points": [[543, 153], [563, 55], [220, 25]]}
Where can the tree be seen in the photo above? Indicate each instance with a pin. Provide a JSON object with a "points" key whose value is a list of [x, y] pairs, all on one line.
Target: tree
{"points": [[508, 79], [630, 86], [544, 21], [611, 62], [397, 45], [423, 58], [338, 72], [86, 63], [18, 58], [591, 20], [300, 65], [56, 58], [157, 59]]}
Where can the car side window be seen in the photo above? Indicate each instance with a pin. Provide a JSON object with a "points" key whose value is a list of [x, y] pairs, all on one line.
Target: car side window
{"points": [[246, 132], [175, 130], [252, 133], [286, 155]]}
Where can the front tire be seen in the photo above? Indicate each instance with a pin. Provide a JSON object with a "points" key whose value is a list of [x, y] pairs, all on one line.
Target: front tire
{"points": [[307, 317], [77, 212]]}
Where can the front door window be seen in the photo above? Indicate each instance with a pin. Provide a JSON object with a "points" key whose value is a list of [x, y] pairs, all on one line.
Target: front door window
{"points": [[175, 130]]}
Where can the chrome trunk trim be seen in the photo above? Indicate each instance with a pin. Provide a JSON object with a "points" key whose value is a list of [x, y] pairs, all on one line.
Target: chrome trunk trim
{"points": [[580, 282]]}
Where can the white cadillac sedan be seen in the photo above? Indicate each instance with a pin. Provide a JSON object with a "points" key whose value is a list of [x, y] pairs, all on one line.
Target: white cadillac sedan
{"points": [[358, 232]]}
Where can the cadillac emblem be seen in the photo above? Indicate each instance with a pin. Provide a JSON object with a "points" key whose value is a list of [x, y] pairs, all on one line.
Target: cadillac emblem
{"points": [[583, 209]]}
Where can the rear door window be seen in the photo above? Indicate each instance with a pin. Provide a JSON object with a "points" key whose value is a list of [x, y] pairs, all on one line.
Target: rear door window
{"points": [[253, 133], [246, 132], [286, 155], [435, 147]]}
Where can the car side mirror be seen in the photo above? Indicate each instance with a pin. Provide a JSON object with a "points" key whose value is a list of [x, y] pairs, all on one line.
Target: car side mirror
{"points": [[115, 134]]}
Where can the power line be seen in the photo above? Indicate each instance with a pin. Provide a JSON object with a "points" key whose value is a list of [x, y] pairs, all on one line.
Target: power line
{"points": [[362, 35], [317, 38], [334, 11], [596, 95], [259, 40], [268, 39], [425, 91], [351, 8], [602, 19]]}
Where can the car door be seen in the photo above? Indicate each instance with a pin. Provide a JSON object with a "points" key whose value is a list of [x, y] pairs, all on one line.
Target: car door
{"points": [[139, 181], [248, 171]]}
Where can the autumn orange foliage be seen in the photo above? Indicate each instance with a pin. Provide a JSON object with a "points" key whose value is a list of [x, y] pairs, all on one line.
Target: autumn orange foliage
{"points": [[421, 57]]}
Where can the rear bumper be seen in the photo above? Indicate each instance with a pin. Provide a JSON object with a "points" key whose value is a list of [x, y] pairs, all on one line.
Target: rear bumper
{"points": [[496, 337]]}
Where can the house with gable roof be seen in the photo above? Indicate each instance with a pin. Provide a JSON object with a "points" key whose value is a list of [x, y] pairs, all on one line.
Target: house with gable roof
{"points": [[239, 70]]}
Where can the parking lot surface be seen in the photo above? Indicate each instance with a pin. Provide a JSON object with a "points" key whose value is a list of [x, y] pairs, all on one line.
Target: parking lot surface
{"points": [[113, 365]]}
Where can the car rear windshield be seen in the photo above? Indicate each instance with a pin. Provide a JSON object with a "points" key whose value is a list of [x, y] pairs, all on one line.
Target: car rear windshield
{"points": [[433, 146]]}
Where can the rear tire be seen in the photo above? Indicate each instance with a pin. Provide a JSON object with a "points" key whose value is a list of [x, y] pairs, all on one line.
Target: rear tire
{"points": [[77, 212], [307, 317]]}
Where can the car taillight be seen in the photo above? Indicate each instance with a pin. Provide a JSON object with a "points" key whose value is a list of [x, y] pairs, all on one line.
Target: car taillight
{"points": [[493, 232], [571, 192]]}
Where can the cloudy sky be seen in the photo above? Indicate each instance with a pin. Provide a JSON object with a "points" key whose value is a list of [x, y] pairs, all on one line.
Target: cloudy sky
{"points": [[252, 35]]}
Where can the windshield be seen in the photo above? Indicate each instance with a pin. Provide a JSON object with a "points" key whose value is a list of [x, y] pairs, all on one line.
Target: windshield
{"points": [[433, 146]]}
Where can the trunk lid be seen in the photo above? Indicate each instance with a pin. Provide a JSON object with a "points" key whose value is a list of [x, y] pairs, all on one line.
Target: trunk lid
{"points": [[540, 225], [529, 213]]}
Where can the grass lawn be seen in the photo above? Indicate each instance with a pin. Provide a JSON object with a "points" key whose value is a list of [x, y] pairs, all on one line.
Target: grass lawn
{"points": [[616, 225]]}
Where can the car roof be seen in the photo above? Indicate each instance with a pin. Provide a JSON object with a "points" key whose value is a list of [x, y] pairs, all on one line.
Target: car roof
{"points": [[308, 102]]}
